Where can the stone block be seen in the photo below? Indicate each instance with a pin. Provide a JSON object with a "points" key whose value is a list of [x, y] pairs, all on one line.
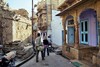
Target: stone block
{"points": [[98, 61], [74, 52], [94, 59]]}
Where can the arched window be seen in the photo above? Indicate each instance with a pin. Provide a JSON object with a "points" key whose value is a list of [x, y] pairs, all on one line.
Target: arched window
{"points": [[70, 22]]}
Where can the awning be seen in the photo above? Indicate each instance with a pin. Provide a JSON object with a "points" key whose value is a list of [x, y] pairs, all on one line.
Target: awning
{"points": [[70, 7]]}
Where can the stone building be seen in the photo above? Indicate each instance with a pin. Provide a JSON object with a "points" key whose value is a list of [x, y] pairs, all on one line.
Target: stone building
{"points": [[81, 23], [22, 30], [44, 14], [14, 26], [15, 30], [42, 17], [51, 5]]}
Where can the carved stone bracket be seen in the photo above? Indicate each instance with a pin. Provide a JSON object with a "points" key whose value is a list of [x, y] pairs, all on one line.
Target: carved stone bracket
{"points": [[42, 26]]}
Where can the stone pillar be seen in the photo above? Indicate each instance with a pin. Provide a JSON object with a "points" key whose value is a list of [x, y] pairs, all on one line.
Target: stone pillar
{"points": [[98, 18], [64, 27], [99, 36], [76, 32]]}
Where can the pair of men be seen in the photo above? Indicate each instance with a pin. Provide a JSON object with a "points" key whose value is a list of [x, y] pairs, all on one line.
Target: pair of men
{"points": [[41, 47]]}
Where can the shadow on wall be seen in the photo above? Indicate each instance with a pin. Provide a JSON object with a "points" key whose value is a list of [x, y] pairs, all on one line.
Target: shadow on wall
{"points": [[27, 40]]}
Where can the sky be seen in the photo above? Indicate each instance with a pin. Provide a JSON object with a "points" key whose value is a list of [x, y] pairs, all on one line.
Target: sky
{"points": [[26, 4]]}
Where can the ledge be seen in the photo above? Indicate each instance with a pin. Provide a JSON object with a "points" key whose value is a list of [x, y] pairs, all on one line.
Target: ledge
{"points": [[22, 62]]}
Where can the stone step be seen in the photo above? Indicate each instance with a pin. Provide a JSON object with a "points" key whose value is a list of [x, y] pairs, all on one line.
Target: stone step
{"points": [[89, 59]]}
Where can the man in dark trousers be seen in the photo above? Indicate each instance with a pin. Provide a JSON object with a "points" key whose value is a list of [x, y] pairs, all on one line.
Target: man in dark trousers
{"points": [[46, 45], [38, 44]]}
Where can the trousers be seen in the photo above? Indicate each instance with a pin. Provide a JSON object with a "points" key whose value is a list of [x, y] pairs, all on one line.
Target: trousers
{"points": [[46, 49], [37, 55]]}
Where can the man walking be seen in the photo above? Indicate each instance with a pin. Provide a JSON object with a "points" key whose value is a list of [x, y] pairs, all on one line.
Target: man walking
{"points": [[46, 45], [39, 47]]}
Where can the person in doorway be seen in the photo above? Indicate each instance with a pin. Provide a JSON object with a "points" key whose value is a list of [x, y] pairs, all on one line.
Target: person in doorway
{"points": [[46, 44], [38, 46]]}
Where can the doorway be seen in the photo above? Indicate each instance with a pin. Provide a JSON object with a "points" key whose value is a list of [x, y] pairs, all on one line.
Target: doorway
{"points": [[71, 35]]}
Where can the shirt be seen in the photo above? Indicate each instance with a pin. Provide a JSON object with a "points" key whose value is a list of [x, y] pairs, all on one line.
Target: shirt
{"points": [[38, 41]]}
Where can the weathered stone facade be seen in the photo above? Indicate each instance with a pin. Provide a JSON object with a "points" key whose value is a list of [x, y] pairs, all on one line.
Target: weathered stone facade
{"points": [[45, 11], [42, 17], [14, 27], [22, 30], [6, 16], [73, 10], [15, 31]]}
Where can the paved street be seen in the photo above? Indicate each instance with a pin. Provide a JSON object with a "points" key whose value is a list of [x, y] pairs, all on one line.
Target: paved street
{"points": [[50, 61]]}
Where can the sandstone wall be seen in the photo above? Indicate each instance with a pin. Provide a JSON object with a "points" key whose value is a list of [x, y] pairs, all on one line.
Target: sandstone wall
{"points": [[13, 26], [6, 26], [22, 30]]}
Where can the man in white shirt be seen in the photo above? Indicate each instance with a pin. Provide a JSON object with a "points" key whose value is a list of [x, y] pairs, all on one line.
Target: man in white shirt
{"points": [[38, 44]]}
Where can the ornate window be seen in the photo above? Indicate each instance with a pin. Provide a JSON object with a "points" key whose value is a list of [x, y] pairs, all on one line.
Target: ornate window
{"points": [[70, 22]]}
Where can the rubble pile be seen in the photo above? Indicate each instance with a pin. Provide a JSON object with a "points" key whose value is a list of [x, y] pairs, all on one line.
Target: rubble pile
{"points": [[23, 51]]}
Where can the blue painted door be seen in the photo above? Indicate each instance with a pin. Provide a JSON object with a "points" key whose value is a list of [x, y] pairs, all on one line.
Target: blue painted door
{"points": [[84, 32], [71, 35]]}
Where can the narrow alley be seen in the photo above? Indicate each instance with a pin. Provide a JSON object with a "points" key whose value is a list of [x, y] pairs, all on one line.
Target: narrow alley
{"points": [[50, 61], [70, 28]]}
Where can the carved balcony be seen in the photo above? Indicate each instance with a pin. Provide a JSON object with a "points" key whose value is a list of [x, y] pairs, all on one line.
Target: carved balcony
{"points": [[42, 26]]}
